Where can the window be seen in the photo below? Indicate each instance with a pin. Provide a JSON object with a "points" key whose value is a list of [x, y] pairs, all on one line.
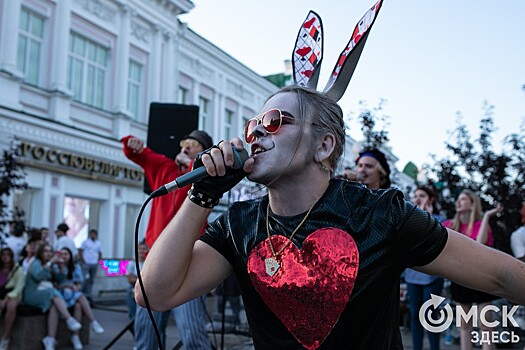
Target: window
{"points": [[132, 211], [30, 40], [76, 216], [183, 95], [134, 88], [228, 121], [80, 214], [87, 65], [204, 106], [22, 203]]}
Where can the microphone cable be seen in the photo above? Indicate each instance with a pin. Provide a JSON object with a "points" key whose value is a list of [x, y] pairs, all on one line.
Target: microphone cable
{"points": [[240, 158], [141, 284], [139, 276]]}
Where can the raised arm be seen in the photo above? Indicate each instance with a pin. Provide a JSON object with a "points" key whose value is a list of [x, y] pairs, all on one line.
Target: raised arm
{"points": [[476, 266], [484, 228]]}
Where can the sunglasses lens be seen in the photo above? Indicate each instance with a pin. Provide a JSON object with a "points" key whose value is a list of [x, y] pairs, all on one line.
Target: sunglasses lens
{"points": [[271, 121], [248, 130], [190, 143]]}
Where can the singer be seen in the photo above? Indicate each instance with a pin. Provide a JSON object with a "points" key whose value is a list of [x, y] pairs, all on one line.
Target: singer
{"points": [[318, 260], [158, 170]]}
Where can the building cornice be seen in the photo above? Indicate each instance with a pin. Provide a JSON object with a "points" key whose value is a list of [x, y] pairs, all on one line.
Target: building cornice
{"points": [[196, 45]]}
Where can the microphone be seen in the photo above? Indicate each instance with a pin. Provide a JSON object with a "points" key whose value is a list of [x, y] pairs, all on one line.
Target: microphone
{"points": [[239, 157]]}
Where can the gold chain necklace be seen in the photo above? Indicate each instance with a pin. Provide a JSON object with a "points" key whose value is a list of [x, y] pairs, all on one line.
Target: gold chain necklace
{"points": [[271, 263]]}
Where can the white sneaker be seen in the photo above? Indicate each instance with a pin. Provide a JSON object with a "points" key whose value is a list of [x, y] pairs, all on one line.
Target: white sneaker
{"points": [[4, 344], [73, 325], [96, 327], [49, 343], [77, 344]]}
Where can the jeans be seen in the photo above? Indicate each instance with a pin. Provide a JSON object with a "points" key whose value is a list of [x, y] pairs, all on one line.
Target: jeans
{"points": [[191, 322], [417, 295], [190, 319], [145, 338], [89, 271], [131, 303]]}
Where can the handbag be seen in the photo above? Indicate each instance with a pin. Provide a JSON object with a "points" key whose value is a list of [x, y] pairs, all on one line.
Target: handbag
{"points": [[4, 291], [43, 285]]}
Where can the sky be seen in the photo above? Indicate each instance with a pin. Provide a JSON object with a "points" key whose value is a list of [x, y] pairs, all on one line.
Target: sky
{"points": [[429, 60]]}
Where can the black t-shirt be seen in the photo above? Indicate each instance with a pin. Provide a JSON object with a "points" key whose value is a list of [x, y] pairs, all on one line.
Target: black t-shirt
{"points": [[390, 234]]}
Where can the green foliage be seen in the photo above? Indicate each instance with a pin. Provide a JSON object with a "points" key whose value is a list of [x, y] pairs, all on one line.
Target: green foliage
{"points": [[12, 176], [373, 137], [495, 177]]}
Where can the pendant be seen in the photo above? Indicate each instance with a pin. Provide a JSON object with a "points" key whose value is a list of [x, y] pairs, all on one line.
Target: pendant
{"points": [[272, 265]]}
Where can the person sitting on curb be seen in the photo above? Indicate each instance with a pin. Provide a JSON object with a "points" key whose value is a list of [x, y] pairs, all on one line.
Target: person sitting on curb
{"points": [[68, 278], [12, 282], [39, 292]]}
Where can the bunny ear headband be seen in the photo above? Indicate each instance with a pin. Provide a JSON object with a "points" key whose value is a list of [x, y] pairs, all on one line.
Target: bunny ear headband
{"points": [[308, 53]]}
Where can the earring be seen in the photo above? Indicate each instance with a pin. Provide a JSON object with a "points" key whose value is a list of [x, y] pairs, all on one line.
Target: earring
{"points": [[322, 166]]}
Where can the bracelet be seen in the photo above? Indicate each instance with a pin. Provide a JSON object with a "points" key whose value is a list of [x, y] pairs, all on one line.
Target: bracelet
{"points": [[202, 199]]}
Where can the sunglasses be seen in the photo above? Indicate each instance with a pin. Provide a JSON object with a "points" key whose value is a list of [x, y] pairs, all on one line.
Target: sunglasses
{"points": [[270, 120], [189, 142]]}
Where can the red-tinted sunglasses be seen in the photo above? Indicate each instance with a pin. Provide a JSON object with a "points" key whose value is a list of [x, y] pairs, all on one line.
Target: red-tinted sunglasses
{"points": [[270, 120]]}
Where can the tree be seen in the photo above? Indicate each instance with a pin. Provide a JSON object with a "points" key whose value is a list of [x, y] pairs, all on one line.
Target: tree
{"points": [[496, 177], [368, 118], [12, 176]]}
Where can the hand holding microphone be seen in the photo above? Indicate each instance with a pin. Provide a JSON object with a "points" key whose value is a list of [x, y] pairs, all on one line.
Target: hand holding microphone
{"points": [[215, 171], [225, 170]]}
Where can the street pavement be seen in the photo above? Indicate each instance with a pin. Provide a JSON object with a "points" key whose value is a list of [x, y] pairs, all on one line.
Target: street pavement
{"points": [[112, 314]]}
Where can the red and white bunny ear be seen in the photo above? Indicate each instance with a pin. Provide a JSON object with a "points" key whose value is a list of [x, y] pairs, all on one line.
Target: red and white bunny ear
{"points": [[345, 66], [308, 51]]}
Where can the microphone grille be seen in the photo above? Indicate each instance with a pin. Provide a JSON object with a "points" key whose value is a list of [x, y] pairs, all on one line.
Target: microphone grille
{"points": [[239, 157]]}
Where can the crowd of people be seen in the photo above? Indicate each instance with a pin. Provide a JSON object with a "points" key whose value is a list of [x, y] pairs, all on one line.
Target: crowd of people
{"points": [[34, 273], [469, 220], [50, 279], [247, 243], [318, 259]]}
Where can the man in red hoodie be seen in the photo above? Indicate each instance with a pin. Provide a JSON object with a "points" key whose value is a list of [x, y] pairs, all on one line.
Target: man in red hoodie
{"points": [[160, 170]]}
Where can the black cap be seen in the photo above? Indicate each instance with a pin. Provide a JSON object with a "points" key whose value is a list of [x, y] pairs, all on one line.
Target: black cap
{"points": [[202, 137], [63, 227], [380, 157]]}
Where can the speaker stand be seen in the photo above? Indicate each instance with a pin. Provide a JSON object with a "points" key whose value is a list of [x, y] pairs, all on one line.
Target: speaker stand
{"points": [[128, 327]]}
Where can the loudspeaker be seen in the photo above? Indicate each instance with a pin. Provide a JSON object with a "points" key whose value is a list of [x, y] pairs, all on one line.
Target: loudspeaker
{"points": [[168, 124]]}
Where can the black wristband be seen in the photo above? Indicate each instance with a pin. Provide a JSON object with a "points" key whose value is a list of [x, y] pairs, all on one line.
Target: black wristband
{"points": [[202, 199]]}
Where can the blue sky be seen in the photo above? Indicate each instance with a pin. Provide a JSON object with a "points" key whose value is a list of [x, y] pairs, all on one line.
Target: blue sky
{"points": [[428, 59]]}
